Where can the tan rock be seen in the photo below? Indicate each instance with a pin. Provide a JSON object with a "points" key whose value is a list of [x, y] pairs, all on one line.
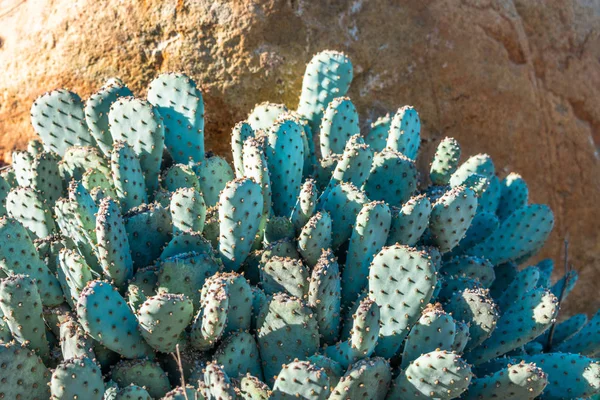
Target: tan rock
{"points": [[516, 79]]}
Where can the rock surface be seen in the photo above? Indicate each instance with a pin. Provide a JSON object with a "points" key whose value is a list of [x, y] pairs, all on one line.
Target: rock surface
{"points": [[515, 79]]}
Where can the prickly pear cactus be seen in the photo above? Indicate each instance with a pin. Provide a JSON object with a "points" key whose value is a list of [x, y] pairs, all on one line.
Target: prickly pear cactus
{"points": [[135, 265]]}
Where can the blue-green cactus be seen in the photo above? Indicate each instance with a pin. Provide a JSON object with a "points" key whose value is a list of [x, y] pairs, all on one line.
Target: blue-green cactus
{"points": [[513, 195], [213, 173], [305, 205], [105, 316], [143, 373], [128, 176], [73, 274], [339, 123], [369, 235], [343, 203], [30, 208], [15, 359], [180, 103], [138, 123], [149, 227], [445, 161], [21, 305], [515, 382], [355, 164], [404, 135], [301, 379], [240, 210], [45, 177], [59, 119], [324, 295], [77, 378], [188, 210], [264, 115], [393, 178], [240, 133], [377, 136], [410, 221], [405, 290], [96, 111], [366, 379], [328, 75], [284, 274], [238, 354]]}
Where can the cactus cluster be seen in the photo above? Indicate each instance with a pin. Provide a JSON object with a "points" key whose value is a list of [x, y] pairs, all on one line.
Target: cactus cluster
{"points": [[321, 264]]}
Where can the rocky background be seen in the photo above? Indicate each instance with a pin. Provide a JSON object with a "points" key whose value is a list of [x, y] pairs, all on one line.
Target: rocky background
{"points": [[518, 79]]}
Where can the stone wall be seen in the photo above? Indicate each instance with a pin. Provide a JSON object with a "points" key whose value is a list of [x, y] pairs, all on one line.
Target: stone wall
{"points": [[518, 79]]}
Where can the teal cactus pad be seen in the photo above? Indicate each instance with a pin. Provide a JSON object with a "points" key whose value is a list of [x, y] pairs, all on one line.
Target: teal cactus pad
{"points": [[21, 164], [324, 169], [214, 173], [46, 177], [77, 378], [369, 235], [96, 111], [324, 296], [410, 221], [546, 266], [533, 313], [5, 188], [377, 136], [58, 118], [404, 135], [523, 233], [285, 319], [445, 161], [255, 167], [138, 123], [315, 237], [457, 206], [564, 330], [238, 355], [30, 208], [436, 375], [283, 274], [362, 335], [149, 228], [343, 203], [393, 178], [94, 178], [328, 75], [16, 358], [435, 330], [515, 382], [505, 274], [525, 281], [366, 379], [278, 228], [470, 267], [332, 368], [188, 210], [74, 342], [476, 308], [162, 318], [240, 301], [339, 123], [490, 198], [143, 373], [482, 226], [79, 159], [514, 195], [185, 273], [481, 164], [305, 205], [128, 176], [210, 321], [570, 376], [264, 115], [18, 255], [240, 210], [185, 242], [586, 341], [570, 278], [240, 133], [179, 176], [180, 103], [73, 274], [105, 316], [187, 393], [133, 392], [477, 183], [114, 251], [404, 290], [211, 226], [285, 158], [355, 164], [301, 379], [21, 305], [216, 384], [251, 388]]}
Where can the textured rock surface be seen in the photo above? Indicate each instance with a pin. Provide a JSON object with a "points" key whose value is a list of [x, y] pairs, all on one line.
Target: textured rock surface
{"points": [[516, 79]]}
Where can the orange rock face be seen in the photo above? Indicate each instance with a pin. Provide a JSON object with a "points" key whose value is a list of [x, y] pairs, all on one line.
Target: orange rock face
{"points": [[514, 79]]}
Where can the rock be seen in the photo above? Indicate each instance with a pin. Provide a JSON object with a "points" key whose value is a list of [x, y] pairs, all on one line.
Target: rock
{"points": [[509, 78]]}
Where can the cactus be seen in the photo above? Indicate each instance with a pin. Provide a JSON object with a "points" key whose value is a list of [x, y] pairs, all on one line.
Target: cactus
{"points": [[21, 305], [106, 317], [162, 318], [180, 103], [301, 379], [434, 375], [143, 373], [77, 378], [404, 135], [328, 75], [351, 269]]}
